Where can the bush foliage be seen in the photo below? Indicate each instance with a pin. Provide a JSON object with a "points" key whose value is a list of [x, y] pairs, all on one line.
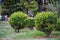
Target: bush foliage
{"points": [[45, 21], [30, 23], [18, 19], [58, 25]]}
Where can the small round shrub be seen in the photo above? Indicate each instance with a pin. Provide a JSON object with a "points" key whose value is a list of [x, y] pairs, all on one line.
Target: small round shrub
{"points": [[17, 20], [30, 23], [45, 21], [58, 25]]}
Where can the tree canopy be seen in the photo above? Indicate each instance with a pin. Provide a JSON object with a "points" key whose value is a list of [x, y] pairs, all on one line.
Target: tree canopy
{"points": [[10, 6]]}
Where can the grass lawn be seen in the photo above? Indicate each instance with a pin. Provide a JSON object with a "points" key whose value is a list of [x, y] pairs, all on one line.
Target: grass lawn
{"points": [[7, 32]]}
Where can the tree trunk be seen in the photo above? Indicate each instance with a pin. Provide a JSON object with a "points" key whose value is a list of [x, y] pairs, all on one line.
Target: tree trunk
{"points": [[25, 10], [39, 8], [31, 28], [39, 5], [17, 30], [48, 34]]}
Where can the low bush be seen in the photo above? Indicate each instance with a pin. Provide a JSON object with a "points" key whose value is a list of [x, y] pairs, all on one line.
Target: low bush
{"points": [[58, 25], [30, 23], [17, 20], [45, 21]]}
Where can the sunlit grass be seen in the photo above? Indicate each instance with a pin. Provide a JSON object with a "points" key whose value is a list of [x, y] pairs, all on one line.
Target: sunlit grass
{"points": [[8, 32]]}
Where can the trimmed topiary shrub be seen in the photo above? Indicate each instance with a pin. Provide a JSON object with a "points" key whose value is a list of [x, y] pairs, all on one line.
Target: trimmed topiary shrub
{"points": [[30, 23], [58, 25], [45, 21], [17, 20]]}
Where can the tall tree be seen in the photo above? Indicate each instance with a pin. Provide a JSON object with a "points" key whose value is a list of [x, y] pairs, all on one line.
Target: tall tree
{"points": [[26, 5], [41, 5], [0, 9], [9, 6]]}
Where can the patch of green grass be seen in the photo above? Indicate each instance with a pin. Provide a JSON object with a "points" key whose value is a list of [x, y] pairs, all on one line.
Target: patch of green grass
{"points": [[53, 39], [9, 32], [5, 31], [56, 33], [23, 34], [26, 34]]}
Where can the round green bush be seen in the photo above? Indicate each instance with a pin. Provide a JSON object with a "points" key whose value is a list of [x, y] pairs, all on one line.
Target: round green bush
{"points": [[30, 23], [58, 25], [45, 21], [17, 20]]}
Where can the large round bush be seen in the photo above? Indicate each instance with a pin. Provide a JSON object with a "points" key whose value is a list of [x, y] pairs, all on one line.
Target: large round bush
{"points": [[17, 20], [45, 21], [30, 23]]}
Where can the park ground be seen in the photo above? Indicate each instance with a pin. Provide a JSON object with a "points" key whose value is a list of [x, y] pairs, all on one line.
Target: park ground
{"points": [[7, 33]]}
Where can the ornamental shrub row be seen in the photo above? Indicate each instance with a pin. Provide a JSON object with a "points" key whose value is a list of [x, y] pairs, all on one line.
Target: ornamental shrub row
{"points": [[44, 21], [19, 20]]}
